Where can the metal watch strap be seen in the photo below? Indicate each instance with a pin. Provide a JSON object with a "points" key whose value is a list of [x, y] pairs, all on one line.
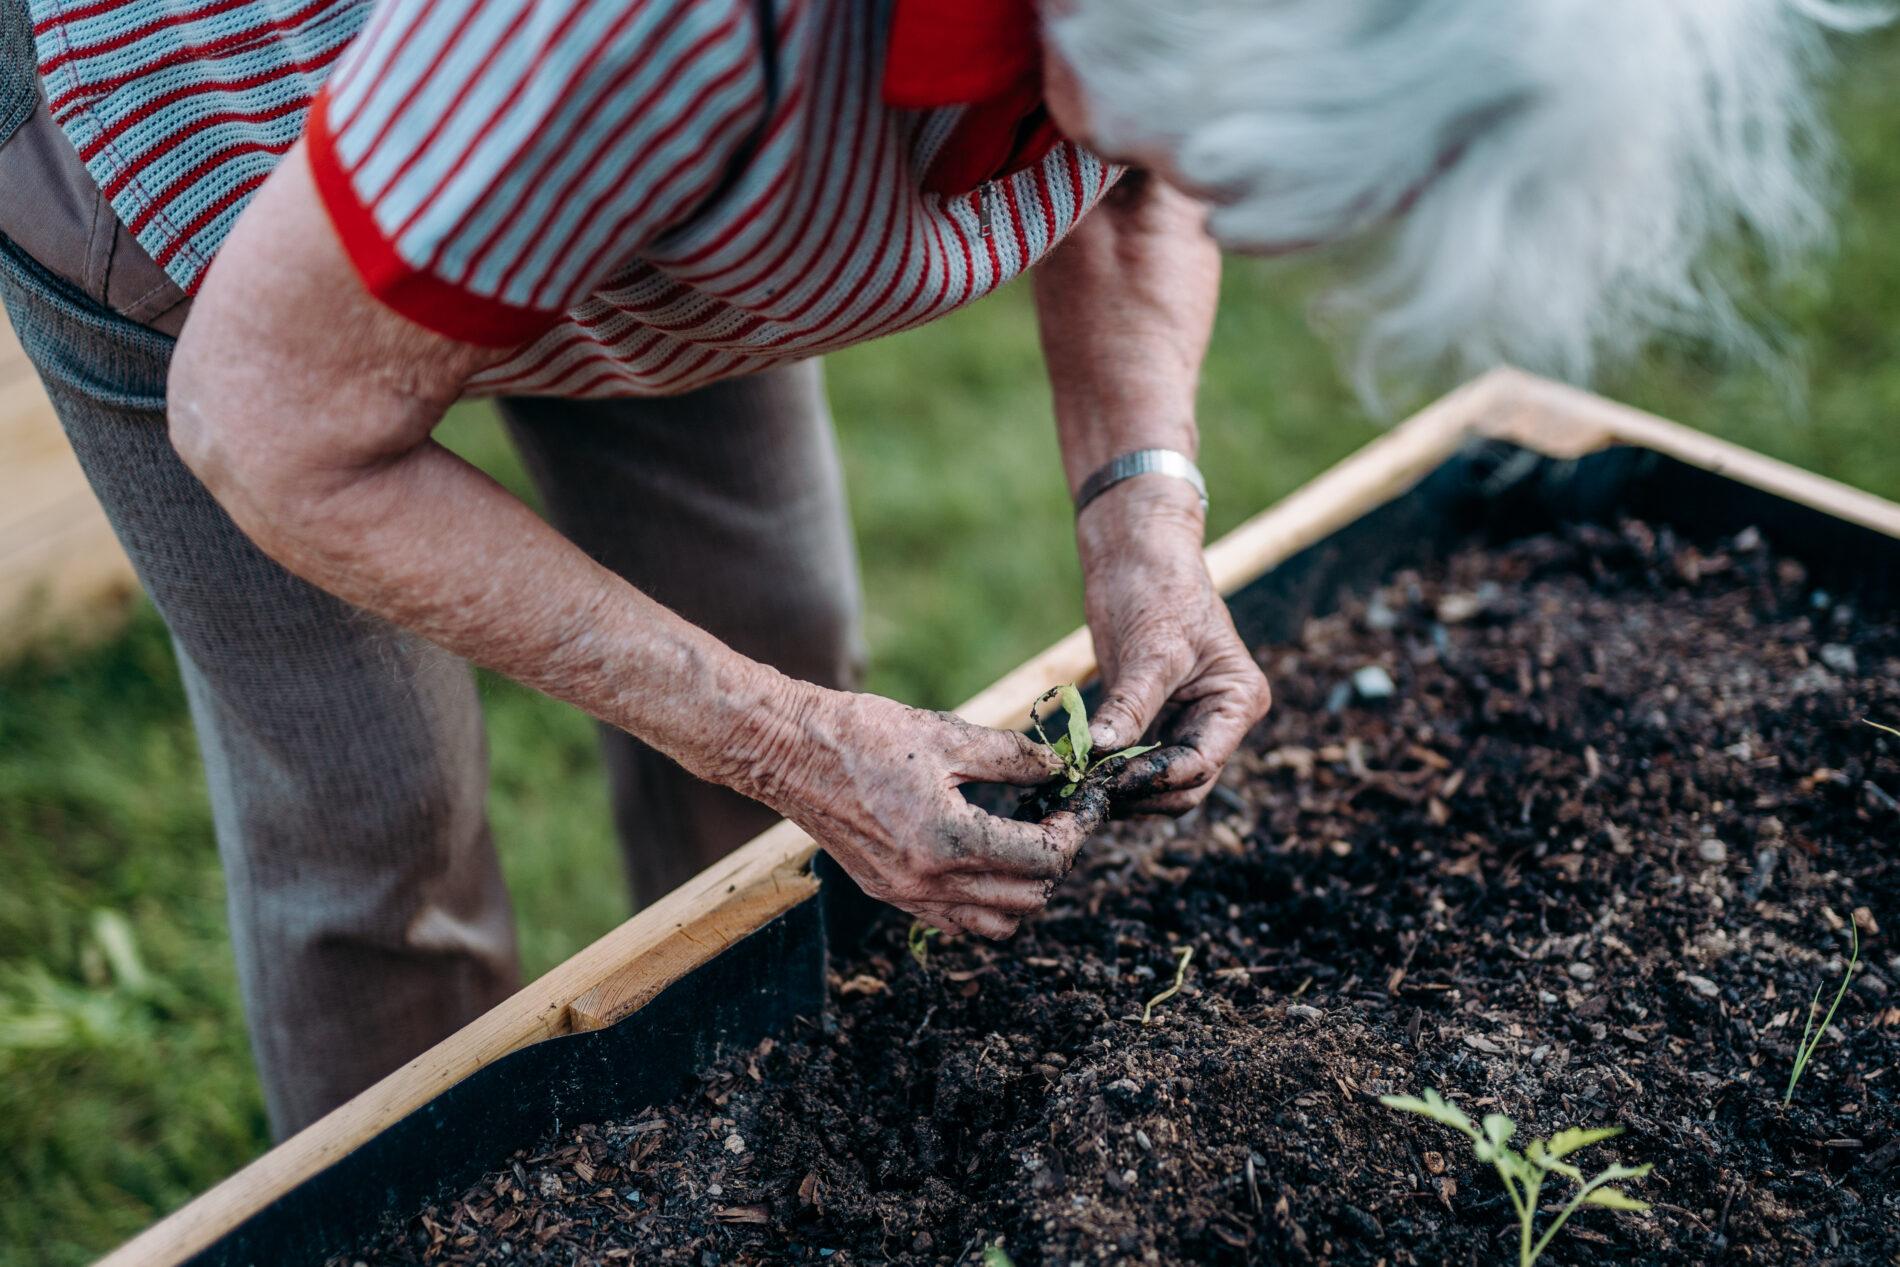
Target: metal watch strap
{"points": [[1140, 462]]}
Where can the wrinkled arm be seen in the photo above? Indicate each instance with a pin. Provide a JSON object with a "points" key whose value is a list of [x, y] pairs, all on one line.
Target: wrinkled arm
{"points": [[1126, 307], [306, 408]]}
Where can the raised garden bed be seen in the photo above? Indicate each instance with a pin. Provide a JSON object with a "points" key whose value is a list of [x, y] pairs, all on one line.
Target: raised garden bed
{"points": [[1502, 879], [1576, 848]]}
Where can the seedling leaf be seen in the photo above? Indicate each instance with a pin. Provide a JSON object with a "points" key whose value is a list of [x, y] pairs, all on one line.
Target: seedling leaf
{"points": [[1524, 1174], [994, 1256], [920, 935], [1433, 1106], [1877, 726], [1180, 975], [1614, 1198], [1075, 749], [1079, 741], [1613, 1171], [1812, 1034], [1564, 1168], [1564, 1143]]}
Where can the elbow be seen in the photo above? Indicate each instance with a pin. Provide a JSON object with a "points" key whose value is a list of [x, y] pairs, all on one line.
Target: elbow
{"points": [[200, 433], [254, 480], [201, 445], [219, 426]]}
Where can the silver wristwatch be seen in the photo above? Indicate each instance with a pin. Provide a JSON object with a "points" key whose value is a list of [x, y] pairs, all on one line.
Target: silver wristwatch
{"points": [[1140, 462]]}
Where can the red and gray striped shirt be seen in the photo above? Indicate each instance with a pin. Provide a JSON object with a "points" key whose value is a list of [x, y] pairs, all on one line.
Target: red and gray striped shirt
{"points": [[634, 196]]}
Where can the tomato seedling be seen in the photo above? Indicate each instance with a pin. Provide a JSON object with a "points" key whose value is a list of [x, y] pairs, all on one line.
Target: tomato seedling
{"points": [[1524, 1173], [1076, 748]]}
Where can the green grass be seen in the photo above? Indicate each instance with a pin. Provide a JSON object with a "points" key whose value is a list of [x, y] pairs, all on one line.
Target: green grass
{"points": [[120, 1099]]}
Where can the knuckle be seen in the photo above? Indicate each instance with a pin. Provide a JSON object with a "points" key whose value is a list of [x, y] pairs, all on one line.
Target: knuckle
{"points": [[1259, 694], [926, 865], [908, 888], [952, 839], [1163, 656], [1181, 802], [1021, 901]]}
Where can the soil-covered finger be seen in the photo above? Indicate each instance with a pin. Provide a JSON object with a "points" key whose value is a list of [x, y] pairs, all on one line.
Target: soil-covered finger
{"points": [[934, 917], [1115, 787], [1169, 805], [1130, 703], [1002, 756], [986, 921], [1001, 891], [977, 841]]}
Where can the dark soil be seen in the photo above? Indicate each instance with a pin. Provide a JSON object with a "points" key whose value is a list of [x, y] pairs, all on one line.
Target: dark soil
{"points": [[1584, 864]]}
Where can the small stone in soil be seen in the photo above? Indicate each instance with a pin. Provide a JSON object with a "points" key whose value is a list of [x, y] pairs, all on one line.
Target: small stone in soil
{"points": [[1712, 850], [1457, 608], [1373, 682], [1840, 658], [1582, 971]]}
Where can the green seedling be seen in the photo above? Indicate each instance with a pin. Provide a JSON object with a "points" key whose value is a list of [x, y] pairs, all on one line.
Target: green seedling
{"points": [[997, 1256], [1180, 975], [1076, 748], [1878, 726], [1811, 1034], [920, 935], [1524, 1173]]}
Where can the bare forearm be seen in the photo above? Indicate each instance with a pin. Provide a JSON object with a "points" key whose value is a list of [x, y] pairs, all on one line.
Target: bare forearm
{"points": [[307, 411], [433, 545], [1126, 307], [307, 408]]}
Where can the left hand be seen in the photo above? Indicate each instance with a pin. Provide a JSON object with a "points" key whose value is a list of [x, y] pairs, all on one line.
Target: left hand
{"points": [[1167, 645]]}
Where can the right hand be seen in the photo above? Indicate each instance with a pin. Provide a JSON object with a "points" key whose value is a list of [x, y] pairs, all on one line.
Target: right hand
{"points": [[875, 782]]}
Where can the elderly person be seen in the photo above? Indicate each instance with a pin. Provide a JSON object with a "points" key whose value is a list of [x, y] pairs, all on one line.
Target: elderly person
{"points": [[635, 223]]}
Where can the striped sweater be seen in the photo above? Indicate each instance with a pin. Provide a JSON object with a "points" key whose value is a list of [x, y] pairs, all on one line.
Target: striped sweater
{"points": [[629, 197]]}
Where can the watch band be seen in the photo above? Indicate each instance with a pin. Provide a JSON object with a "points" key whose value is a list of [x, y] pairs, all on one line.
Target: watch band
{"points": [[1140, 462]]}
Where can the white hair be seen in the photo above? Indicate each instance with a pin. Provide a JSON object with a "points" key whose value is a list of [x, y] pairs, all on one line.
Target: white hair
{"points": [[1545, 177]]}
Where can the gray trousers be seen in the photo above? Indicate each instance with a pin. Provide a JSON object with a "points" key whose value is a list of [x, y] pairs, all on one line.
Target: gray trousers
{"points": [[346, 758]]}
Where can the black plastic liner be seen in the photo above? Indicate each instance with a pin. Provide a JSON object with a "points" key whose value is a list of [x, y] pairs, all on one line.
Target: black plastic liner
{"points": [[754, 988], [1492, 491]]}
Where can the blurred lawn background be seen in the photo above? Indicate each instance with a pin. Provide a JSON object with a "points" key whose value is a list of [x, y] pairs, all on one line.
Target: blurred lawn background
{"points": [[125, 1082]]}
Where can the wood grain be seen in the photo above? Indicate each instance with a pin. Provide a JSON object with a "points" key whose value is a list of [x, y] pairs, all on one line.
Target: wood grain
{"points": [[626, 968], [1565, 422]]}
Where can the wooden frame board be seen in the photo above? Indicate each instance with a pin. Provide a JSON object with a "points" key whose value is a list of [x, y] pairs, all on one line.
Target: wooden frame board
{"points": [[623, 970]]}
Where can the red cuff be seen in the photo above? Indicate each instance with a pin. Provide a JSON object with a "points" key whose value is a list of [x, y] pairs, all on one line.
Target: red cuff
{"points": [[427, 300], [952, 52]]}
